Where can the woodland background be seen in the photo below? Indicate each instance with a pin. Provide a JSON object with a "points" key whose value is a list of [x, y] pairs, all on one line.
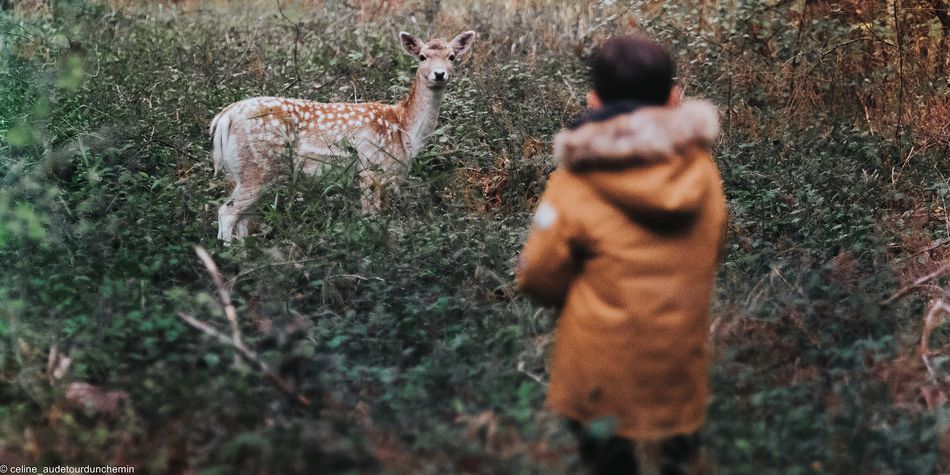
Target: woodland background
{"points": [[403, 332]]}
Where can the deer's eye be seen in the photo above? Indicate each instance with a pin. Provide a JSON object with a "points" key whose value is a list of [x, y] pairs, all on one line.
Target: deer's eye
{"points": [[422, 57], [451, 57]]}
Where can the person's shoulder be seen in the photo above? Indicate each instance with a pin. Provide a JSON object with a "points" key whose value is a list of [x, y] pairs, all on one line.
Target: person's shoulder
{"points": [[701, 156], [567, 185], [574, 197]]}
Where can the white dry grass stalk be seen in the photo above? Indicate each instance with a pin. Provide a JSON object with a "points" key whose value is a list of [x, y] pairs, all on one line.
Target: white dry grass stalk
{"points": [[932, 320], [935, 314]]}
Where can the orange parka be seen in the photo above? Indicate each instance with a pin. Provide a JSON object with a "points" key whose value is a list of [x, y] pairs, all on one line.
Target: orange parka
{"points": [[626, 241]]}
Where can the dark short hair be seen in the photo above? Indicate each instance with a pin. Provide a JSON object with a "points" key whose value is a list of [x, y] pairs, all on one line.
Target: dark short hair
{"points": [[632, 68]]}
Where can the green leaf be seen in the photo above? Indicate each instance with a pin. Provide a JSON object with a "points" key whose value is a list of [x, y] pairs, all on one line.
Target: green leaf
{"points": [[336, 342]]}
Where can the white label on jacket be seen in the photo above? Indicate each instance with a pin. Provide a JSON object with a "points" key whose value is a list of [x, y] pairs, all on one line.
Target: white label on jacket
{"points": [[545, 216]]}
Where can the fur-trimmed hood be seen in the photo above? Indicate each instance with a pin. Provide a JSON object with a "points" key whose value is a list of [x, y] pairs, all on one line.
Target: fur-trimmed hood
{"points": [[648, 133], [653, 162]]}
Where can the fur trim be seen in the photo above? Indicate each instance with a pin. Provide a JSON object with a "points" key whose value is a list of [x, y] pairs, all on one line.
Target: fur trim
{"points": [[649, 133]]}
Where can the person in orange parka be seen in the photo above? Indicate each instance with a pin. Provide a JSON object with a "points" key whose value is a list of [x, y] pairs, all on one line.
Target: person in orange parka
{"points": [[626, 241]]}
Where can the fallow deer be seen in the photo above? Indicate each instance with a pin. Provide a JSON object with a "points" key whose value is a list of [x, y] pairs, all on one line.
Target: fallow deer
{"points": [[249, 136]]}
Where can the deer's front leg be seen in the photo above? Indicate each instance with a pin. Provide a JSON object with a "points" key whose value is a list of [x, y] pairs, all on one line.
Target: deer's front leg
{"points": [[371, 189]]}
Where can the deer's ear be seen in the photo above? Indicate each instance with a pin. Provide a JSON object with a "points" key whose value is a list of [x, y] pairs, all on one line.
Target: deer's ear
{"points": [[410, 43], [463, 42]]}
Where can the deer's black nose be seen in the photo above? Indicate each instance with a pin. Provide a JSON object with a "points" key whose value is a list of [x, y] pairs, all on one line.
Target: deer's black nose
{"points": [[440, 76]]}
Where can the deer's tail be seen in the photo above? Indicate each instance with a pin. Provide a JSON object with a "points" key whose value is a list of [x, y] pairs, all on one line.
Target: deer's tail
{"points": [[220, 129]]}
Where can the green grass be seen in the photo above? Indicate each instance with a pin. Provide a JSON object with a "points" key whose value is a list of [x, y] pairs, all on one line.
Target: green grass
{"points": [[404, 329]]}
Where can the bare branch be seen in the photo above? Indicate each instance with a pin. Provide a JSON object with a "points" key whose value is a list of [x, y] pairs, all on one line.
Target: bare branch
{"points": [[235, 340], [917, 283], [538, 379], [223, 294], [250, 356], [272, 264], [932, 246]]}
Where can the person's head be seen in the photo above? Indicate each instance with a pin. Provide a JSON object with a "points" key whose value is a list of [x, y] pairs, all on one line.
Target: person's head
{"points": [[632, 68]]}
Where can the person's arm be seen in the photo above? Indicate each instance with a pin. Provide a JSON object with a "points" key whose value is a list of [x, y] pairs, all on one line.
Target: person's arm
{"points": [[549, 261]]}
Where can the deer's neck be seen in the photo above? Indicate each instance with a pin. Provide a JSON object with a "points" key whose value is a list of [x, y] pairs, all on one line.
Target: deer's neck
{"points": [[420, 114]]}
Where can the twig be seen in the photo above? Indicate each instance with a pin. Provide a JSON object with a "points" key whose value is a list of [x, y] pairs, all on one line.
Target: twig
{"points": [[531, 375], [917, 283], [16, 78], [174, 147], [794, 60], [235, 340], [249, 356], [828, 51], [296, 27], [272, 264], [598, 26], [899, 130], [223, 294], [932, 246], [354, 277]]}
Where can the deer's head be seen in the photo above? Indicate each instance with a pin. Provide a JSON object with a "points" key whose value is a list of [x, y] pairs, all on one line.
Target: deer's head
{"points": [[437, 56]]}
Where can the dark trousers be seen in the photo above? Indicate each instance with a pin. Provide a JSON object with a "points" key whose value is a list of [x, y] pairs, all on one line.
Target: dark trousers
{"points": [[677, 455]]}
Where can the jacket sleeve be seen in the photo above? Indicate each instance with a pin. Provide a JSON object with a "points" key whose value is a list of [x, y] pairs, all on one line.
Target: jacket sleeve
{"points": [[550, 258]]}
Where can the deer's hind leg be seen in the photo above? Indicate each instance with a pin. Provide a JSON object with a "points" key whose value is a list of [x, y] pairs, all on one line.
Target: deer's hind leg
{"points": [[232, 215]]}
